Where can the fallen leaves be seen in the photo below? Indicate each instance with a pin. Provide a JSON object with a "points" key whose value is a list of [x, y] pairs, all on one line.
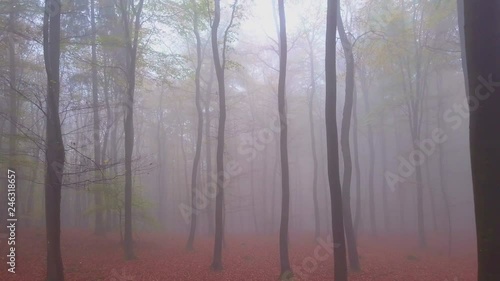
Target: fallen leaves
{"points": [[163, 258]]}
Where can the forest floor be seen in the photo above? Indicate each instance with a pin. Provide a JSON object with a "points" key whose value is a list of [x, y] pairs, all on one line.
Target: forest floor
{"points": [[163, 258]]}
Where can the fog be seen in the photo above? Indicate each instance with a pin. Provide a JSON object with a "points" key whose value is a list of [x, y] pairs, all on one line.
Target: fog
{"points": [[141, 153]]}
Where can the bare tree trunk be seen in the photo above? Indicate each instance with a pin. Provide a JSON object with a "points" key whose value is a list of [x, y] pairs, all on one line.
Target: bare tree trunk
{"points": [[357, 170], [132, 43], [431, 196], [317, 229], [443, 182], [54, 154], [371, 150], [199, 136], [286, 271], [340, 261], [252, 190], [385, 203], [219, 200], [210, 212], [99, 225], [350, 236], [273, 195], [482, 26], [160, 144]]}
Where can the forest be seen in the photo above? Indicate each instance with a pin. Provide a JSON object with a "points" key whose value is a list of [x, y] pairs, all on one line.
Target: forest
{"points": [[163, 140]]}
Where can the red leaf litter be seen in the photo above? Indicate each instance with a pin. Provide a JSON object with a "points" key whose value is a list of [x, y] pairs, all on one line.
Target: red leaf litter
{"points": [[162, 257]]}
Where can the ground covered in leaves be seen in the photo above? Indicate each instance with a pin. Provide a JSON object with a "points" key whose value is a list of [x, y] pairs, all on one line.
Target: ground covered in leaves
{"points": [[163, 258]]}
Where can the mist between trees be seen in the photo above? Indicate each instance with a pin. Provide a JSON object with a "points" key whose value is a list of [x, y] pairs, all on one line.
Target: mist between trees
{"points": [[299, 140]]}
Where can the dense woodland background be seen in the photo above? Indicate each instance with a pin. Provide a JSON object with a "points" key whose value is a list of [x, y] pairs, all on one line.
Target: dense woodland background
{"points": [[155, 98]]}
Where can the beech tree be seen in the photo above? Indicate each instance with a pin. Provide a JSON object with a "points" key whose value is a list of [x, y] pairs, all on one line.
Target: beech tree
{"points": [[286, 272], [345, 146], [220, 66], [340, 266], [54, 150], [199, 133], [481, 28], [131, 20]]}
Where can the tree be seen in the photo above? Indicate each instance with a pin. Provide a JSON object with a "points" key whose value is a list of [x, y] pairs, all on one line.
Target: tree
{"points": [[286, 271], [54, 153], [346, 148], [481, 28], [442, 178], [310, 41], [199, 133], [371, 149], [130, 14], [340, 266], [220, 65], [99, 225]]}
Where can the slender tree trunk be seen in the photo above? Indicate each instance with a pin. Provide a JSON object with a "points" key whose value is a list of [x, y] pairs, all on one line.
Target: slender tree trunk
{"points": [[357, 170], [184, 160], [131, 47], [431, 196], [208, 119], [340, 261], [385, 203], [199, 136], [286, 270], [420, 198], [54, 154], [273, 195], [350, 236], [264, 193], [99, 225], [252, 190], [160, 143], [442, 178], [317, 229], [324, 176], [371, 150], [482, 26], [219, 200]]}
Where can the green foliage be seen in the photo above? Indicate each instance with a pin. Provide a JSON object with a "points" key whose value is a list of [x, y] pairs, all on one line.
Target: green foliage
{"points": [[113, 200]]}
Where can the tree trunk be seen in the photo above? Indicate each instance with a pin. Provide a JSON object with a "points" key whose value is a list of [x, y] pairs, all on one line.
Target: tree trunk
{"points": [[357, 170], [317, 229], [350, 236], [371, 149], [340, 261], [286, 271], [252, 194], [54, 154], [210, 212], [160, 143], [98, 197], [219, 200], [131, 47], [273, 195], [442, 178], [431, 196], [199, 136], [482, 26], [385, 203]]}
